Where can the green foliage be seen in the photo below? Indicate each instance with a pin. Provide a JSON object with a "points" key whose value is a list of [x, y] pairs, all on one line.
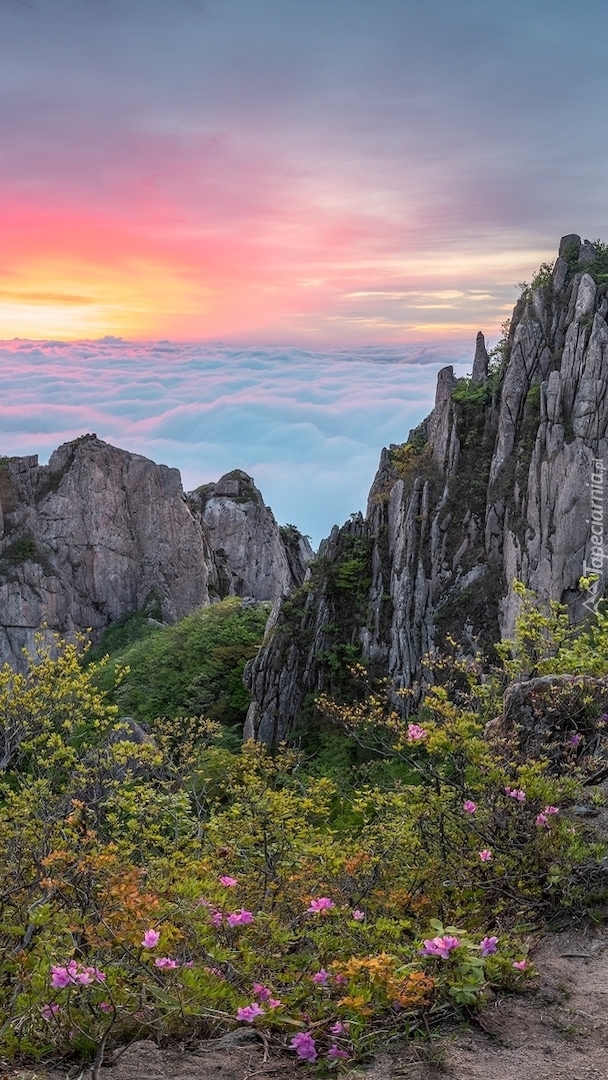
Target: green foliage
{"points": [[121, 634], [154, 889], [598, 269], [19, 551], [351, 571], [546, 643], [194, 667]]}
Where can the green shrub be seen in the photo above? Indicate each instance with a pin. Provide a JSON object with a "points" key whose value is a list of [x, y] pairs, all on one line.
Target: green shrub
{"points": [[194, 667], [173, 888]]}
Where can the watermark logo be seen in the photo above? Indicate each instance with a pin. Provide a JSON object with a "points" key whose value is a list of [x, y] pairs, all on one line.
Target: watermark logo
{"points": [[593, 569]]}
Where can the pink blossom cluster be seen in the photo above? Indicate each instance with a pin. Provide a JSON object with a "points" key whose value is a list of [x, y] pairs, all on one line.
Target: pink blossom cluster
{"points": [[469, 806], [263, 993], [515, 793], [415, 733], [335, 1053], [542, 819], [249, 1013], [321, 977], [440, 946], [75, 974], [304, 1046], [486, 855], [358, 915], [239, 918], [322, 903], [488, 946], [575, 740], [150, 939], [228, 881], [165, 962]]}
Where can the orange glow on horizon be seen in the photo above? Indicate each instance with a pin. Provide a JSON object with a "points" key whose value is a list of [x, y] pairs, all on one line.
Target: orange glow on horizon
{"points": [[72, 275]]}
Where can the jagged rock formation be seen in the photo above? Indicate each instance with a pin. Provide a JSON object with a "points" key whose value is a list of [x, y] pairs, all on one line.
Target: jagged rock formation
{"points": [[254, 556], [504, 480], [99, 533]]}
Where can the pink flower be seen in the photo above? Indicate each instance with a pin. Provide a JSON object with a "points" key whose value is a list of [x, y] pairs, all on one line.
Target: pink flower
{"points": [[75, 973], [249, 1013], [469, 806], [240, 918], [340, 1027], [83, 978], [440, 946], [49, 1011], [166, 962], [516, 793], [358, 915], [323, 903], [216, 918], [542, 819], [105, 1006], [230, 882], [575, 739], [335, 1053], [274, 1003], [262, 992], [551, 810], [486, 855], [304, 1046], [488, 945], [59, 978], [521, 965], [340, 980], [415, 733], [150, 939], [321, 977]]}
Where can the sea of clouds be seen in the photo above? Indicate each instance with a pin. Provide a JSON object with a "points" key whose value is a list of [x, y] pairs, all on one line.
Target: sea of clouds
{"points": [[307, 425]]}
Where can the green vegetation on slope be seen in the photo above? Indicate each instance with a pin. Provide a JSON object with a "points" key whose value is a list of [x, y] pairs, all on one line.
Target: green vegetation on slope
{"points": [[176, 889], [192, 668]]}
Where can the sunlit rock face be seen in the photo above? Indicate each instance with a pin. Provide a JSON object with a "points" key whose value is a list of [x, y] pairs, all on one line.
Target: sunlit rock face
{"points": [[96, 533], [99, 533], [504, 480], [254, 556]]}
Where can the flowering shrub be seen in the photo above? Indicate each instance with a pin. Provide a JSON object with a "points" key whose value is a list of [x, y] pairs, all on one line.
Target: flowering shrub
{"points": [[144, 893]]}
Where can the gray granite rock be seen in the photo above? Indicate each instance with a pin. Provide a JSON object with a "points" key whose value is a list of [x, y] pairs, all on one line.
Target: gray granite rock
{"points": [[510, 487], [99, 532]]}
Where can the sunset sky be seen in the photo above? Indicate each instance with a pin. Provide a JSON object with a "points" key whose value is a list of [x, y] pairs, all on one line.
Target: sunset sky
{"points": [[285, 174]]}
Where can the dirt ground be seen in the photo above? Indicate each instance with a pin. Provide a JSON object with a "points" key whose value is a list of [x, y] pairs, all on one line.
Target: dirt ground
{"points": [[558, 1031]]}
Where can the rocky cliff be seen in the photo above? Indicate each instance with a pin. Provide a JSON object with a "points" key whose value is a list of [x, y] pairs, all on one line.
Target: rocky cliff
{"points": [[503, 480], [254, 556], [99, 533]]}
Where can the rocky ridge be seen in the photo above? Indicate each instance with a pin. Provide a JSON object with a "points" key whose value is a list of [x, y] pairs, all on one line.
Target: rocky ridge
{"points": [[99, 533], [504, 480]]}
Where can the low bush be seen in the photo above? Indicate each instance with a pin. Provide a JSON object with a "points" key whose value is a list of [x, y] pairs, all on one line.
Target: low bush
{"points": [[169, 887]]}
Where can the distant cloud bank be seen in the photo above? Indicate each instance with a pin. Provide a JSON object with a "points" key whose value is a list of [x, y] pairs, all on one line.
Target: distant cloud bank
{"points": [[308, 426]]}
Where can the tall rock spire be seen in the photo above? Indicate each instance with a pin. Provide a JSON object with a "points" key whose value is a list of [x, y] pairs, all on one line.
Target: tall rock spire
{"points": [[480, 363]]}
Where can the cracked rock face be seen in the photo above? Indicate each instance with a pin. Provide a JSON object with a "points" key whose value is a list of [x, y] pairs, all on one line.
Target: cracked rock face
{"points": [[94, 534], [254, 556], [509, 484], [99, 533]]}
